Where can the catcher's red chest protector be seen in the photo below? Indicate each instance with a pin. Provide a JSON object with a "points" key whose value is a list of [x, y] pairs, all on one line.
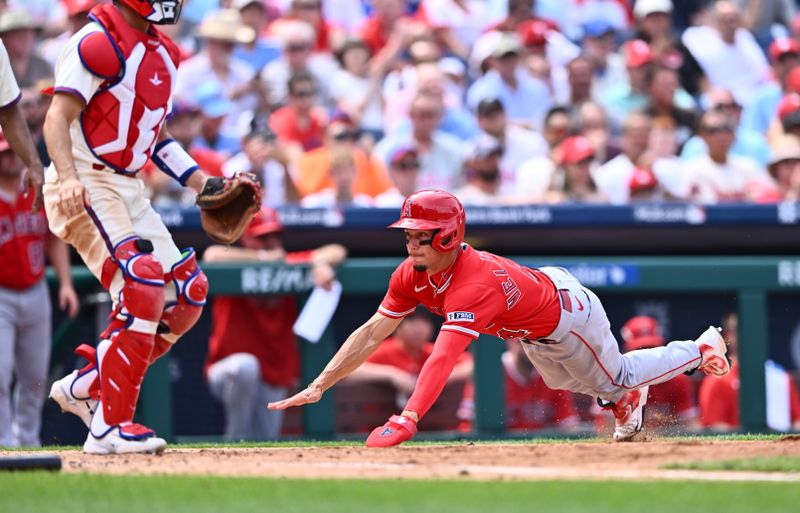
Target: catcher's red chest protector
{"points": [[122, 120]]}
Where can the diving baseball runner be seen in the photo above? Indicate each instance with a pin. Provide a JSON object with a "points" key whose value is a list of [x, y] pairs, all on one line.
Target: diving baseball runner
{"points": [[113, 84], [564, 330]]}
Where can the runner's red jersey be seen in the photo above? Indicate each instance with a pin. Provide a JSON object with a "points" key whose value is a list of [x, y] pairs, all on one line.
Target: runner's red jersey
{"points": [[480, 293], [23, 239]]}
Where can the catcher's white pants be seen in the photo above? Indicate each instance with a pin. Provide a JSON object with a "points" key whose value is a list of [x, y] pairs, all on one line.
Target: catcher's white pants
{"points": [[236, 381], [583, 356], [119, 209]]}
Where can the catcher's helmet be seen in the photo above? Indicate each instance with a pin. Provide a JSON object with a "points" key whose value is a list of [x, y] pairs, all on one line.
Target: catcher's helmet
{"points": [[641, 332], [160, 12], [438, 211]]}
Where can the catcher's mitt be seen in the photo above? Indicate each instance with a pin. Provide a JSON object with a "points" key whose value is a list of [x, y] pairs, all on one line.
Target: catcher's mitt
{"points": [[227, 205]]}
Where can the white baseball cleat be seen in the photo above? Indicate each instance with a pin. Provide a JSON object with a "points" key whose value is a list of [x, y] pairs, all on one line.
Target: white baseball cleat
{"points": [[629, 414], [714, 351], [125, 439], [61, 392]]}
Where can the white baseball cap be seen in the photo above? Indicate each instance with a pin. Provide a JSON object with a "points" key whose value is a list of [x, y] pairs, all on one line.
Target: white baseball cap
{"points": [[645, 7]]}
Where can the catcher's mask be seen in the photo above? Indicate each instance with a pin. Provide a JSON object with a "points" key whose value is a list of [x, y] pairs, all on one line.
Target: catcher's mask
{"points": [[160, 12]]}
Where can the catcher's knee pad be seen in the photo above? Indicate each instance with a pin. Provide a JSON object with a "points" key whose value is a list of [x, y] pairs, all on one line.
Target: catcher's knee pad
{"points": [[142, 295], [191, 288]]}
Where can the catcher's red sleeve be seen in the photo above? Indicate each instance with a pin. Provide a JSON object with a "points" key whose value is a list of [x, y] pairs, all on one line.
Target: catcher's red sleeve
{"points": [[432, 378]]}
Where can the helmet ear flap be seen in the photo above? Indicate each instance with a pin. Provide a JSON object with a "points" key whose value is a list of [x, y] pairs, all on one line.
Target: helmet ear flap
{"points": [[443, 240]]}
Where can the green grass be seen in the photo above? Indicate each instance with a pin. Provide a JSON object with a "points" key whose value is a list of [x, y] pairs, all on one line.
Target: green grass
{"points": [[771, 464], [38, 492]]}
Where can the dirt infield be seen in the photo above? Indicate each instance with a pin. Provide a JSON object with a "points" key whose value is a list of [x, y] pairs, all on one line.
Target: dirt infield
{"points": [[578, 460]]}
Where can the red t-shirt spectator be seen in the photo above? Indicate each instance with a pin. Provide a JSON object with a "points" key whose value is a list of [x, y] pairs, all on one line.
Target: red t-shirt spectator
{"points": [[719, 400], [373, 34], [530, 404], [259, 325], [284, 123], [23, 240]]}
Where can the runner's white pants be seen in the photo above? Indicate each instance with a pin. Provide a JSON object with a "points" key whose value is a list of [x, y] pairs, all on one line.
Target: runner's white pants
{"points": [[584, 356]]}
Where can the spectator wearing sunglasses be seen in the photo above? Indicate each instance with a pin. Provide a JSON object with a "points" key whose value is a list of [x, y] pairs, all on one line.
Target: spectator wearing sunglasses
{"points": [[313, 166], [721, 176], [747, 143], [300, 123], [297, 40], [441, 155]]}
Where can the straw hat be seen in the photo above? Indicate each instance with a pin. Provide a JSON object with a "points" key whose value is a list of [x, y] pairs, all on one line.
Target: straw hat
{"points": [[785, 147], [16, 20], [226, 25]]}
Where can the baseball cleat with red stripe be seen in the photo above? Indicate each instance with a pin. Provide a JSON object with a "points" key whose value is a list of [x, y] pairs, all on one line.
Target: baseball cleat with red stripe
{"points": [[397, 430], [628, 414], [714, 351]]}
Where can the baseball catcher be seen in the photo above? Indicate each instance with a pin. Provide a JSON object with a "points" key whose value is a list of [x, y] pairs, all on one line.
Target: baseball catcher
{"points": [[113, 84]]}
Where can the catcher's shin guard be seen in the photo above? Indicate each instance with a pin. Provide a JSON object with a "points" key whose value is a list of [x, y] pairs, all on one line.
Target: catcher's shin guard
{"points": [[191, 288], [124, 354]]}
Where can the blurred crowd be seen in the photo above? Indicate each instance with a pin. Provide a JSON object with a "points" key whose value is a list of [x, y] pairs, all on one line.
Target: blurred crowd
{"points": [[361, 102]]}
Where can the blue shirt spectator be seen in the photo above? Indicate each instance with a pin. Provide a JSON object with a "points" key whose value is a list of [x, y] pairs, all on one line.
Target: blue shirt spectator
{"points": [[525, 98], [748, 143]]}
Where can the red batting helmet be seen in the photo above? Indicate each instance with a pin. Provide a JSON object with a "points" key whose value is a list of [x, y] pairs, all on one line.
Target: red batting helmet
{"points": [[160, 12], [438, 211], [641, 332]]}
